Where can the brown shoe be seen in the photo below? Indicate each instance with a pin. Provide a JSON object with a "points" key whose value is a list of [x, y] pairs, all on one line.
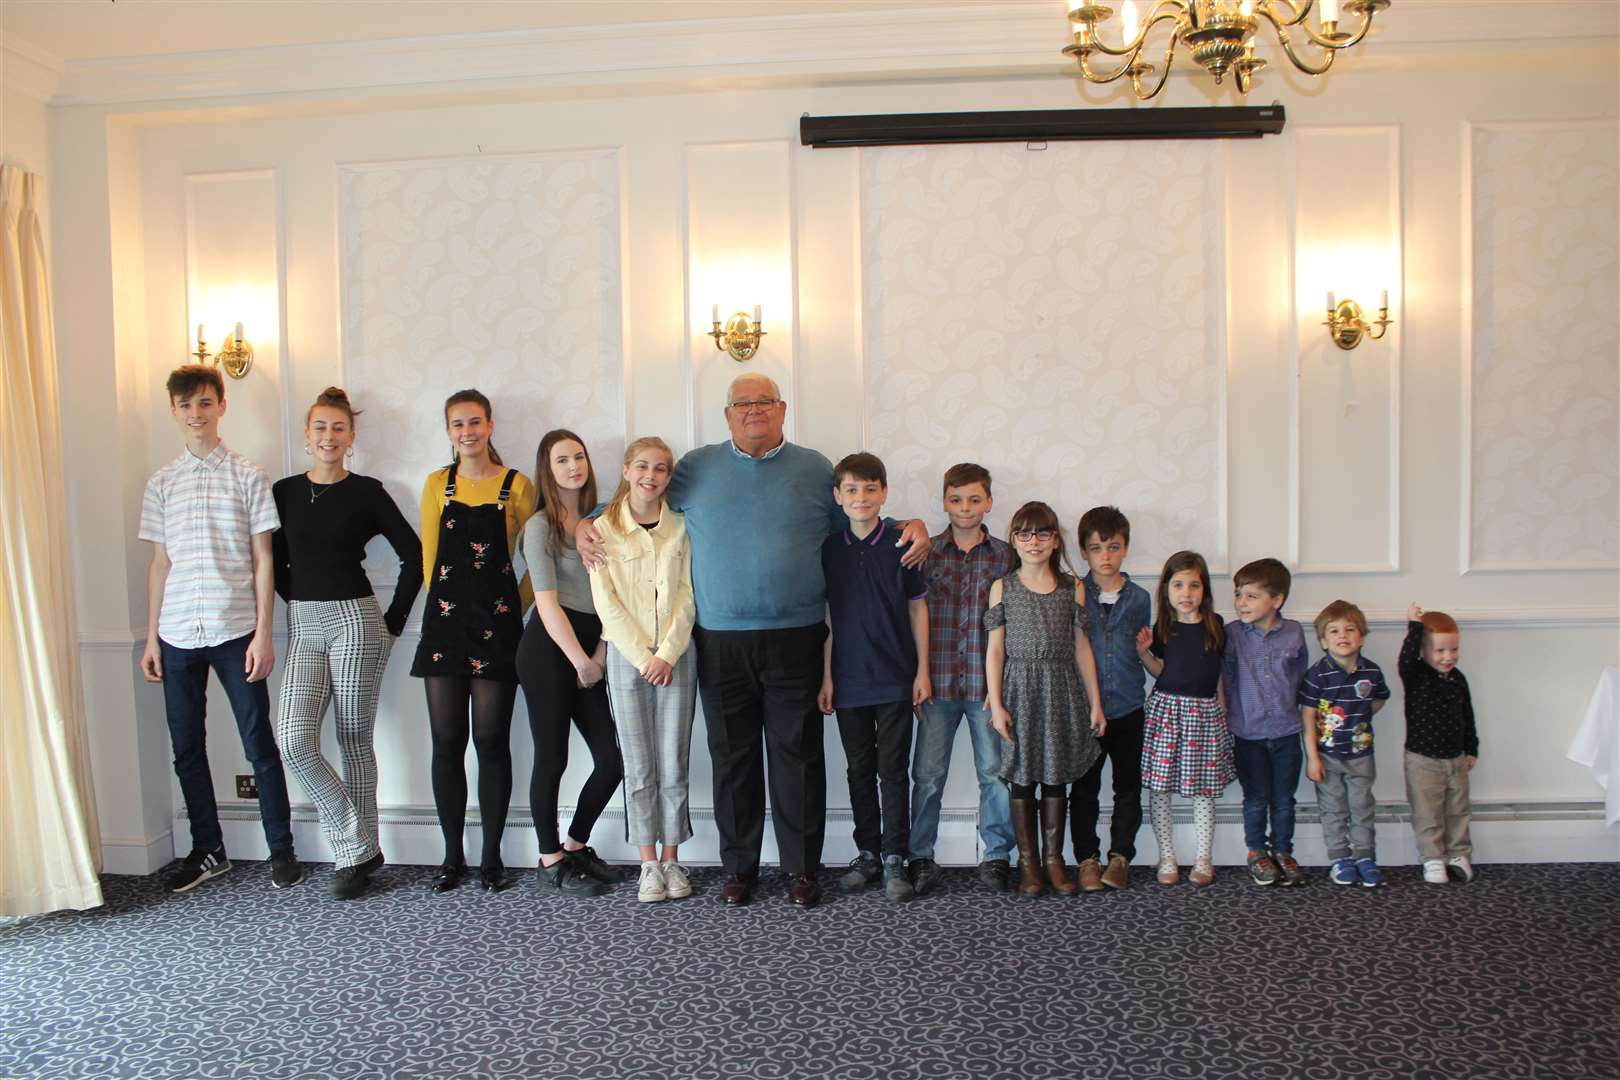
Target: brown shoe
{"points": [[1202, 873], [805, 891], [1090, 875], [738, 889], [1031, 882], [1168, 873], [1118, 874], [1054, 816]]}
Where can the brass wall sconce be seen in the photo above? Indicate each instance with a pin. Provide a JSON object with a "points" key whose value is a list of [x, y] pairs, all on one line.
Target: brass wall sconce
{"points": [[740, 336], [1347, 326], [235, 357]]}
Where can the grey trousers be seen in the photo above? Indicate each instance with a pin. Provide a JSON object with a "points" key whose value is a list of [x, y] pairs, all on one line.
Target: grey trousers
{"points": [[1345, 803], [655, 739], [1437, 788]]}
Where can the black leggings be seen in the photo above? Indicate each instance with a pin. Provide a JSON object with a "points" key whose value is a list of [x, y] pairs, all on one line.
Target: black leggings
{"points": [[1027, 791], [448, 698], [553, 695]]}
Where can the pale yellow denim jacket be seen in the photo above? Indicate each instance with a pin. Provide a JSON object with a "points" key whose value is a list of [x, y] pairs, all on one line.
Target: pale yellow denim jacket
{"points": [[645, 585]]}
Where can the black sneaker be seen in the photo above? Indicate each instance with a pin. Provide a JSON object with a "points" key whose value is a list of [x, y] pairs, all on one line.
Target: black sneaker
{"points": [[285, 871], [349, 882], [896, 883], [994, 874], [864, 869], [592, 866], [924, 873], [566, 877], [195, 869]]}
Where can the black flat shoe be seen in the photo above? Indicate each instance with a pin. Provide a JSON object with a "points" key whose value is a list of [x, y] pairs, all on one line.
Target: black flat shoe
{"points": [[448, 877], [493, 879]]}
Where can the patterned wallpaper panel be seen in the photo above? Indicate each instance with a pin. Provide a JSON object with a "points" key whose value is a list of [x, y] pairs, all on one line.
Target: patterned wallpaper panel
{"points": [[1545, 455], [498, 273], [1057, 316]]}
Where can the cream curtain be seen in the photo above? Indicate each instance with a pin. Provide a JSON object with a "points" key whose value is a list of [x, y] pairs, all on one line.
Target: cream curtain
{"points": [[49, 846]]}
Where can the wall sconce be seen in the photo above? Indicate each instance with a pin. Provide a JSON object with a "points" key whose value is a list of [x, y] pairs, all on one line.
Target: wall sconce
{"points": [[741, 335], [1347, 326], [235, 356]]}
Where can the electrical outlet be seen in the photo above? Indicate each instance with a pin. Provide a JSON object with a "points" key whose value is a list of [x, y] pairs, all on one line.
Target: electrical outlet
{"points": [[247, 787]]}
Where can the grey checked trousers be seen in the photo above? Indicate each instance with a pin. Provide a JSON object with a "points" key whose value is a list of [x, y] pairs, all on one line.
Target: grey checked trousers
{"points": [[655, 739], [336, 653]]}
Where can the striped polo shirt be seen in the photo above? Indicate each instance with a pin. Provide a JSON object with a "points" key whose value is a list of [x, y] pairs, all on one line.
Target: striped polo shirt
{"points": [[1343, 701], [205, 513]]}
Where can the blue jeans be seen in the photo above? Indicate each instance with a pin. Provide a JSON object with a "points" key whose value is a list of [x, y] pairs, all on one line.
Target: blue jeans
{"points": [[931, 761], [1268, 770], [185, 698]]}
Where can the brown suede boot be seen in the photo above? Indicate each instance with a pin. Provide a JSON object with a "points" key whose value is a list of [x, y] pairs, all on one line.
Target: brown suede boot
{"points": [[1054, 815], [1118, 874], [1030, 881], [1091, 875]]}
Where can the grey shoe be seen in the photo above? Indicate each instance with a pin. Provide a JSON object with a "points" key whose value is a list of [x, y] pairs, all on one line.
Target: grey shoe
{"points": [[864, 869], [896, 882], [924, 873]]}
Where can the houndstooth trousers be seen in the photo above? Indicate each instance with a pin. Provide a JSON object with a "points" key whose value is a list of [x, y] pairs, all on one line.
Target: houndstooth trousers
{"points": [[655, 738], [336, 652]]}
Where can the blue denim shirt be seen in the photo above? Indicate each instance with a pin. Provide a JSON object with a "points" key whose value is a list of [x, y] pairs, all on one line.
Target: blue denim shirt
{"points": [[1113, 630], [1263, 671]]}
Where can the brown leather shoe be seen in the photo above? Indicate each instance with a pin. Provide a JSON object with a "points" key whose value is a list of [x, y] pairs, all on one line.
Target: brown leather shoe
{"points": [[805, 891], [1031, 882], [1118, 874], [738, 889], [1054, 815], [1202, 873], [1090, 875]]}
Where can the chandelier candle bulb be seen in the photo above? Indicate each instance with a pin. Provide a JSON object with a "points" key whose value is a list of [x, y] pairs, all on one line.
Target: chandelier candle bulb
{"points": [[239, 333], [714, 315], [1330, 11], [1127, 18], [1331, 305], [1383, 300], [199, 333], [756, 314]]}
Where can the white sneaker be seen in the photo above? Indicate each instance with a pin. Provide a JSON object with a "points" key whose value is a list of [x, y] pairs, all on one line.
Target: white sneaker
{"points": [[677, 885], [652, 888], [1459, 865], [1434, 872]]}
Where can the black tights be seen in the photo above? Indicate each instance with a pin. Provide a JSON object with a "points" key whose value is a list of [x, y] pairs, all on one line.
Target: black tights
{"points": [[448, 698], [1027, 791]]}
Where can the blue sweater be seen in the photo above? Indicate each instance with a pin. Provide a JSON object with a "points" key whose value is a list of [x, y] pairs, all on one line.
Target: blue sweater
{"points": [[756, 526]]}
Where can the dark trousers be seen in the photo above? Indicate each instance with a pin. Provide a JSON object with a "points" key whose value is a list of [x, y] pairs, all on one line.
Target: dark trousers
{"points": [[758, 689], [185, 700], [877, 746], [1122, 745], [1268, 770]]}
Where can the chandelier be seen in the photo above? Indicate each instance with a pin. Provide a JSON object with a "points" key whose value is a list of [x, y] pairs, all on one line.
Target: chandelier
{"points": [[1218, 33]]}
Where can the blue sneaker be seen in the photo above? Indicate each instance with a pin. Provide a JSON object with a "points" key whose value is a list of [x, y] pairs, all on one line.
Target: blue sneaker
{"points": [[1343, 872], [1371, 876]]}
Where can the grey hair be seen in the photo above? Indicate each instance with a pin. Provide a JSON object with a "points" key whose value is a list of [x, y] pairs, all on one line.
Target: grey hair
{"points": [[755, 376]]}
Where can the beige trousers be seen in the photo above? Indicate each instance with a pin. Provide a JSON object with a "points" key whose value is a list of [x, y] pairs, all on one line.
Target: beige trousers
{"points": [[1437, 789]]}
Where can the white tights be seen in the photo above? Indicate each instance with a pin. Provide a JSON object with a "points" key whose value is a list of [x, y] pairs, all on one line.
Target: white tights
{"points": [[1164, 825]]}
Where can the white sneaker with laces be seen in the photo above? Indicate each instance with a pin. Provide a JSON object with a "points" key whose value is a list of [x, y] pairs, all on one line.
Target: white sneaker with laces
{"points": [[677, 885], [1434, 872], [652, 888], [1460, 865]]}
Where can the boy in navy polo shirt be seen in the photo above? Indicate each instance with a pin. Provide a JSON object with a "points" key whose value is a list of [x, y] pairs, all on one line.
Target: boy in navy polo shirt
{"points": [[876, 671], [1338, 697]]}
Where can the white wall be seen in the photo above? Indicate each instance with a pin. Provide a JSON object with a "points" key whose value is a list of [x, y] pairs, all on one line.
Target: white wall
{"points": [[24, 134], [236, 210]]}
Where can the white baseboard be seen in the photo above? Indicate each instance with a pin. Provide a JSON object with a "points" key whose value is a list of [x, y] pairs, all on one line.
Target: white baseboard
{"points": [[122, 855], [1502, 833]]}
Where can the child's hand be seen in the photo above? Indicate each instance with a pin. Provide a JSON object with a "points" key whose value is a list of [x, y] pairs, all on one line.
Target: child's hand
{"points": [[1414, 613], [1470, 760], [825, 696], [1144, 639], [1099, 722], [1001, 720], [921, 689], [1314, 770]]}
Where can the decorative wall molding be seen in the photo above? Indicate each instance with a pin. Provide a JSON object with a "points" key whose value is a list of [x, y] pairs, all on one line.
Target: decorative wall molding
{"points": [[29, 69]]}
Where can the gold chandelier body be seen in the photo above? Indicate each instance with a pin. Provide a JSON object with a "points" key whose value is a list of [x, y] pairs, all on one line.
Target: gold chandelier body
{"points": [[1218, 33]]}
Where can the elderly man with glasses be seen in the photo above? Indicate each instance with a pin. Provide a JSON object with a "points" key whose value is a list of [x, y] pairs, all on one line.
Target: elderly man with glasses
{"points": [[757, 510]]}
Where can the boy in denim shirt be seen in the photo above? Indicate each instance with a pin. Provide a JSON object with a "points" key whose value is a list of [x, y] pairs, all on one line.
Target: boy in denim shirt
{"points": [[1117, 609]]}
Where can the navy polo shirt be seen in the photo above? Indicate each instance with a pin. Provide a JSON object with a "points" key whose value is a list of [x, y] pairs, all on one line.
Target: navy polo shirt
{"points": [[874, 656]]}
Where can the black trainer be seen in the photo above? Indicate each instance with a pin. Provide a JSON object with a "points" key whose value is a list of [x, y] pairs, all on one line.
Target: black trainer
{"points": [[195, 869], [285, 871], [349, 882], [591, 865], [994, 874], [864, 869], [565, 877], [896, 882], [924, 873]]}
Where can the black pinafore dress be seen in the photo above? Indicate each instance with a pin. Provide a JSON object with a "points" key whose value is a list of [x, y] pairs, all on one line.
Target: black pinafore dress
{"points": [[472, 622]]}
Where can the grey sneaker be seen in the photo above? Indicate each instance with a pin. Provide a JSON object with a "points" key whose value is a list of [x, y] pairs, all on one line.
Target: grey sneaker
{"points": [[195, 869], [896, 882], [651, 888], [864, 869], [677, 884]]}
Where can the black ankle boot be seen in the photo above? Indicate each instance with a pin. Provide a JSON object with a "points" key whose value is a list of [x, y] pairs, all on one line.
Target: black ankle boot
{"points": [[565, 878]]}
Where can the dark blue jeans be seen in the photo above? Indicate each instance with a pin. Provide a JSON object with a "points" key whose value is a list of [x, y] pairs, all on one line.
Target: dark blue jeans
{"points": [[1268, 770], [185, 697]]}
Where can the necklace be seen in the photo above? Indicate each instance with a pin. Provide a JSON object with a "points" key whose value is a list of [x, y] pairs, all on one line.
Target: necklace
{"points": [[324, 488]]}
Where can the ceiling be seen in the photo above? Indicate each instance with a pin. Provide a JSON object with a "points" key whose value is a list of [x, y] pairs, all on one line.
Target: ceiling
{"points": [[100, 29]]}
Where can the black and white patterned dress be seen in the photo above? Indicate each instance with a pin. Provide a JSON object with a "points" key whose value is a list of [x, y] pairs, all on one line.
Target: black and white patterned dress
{"points": [[1041, 687]]}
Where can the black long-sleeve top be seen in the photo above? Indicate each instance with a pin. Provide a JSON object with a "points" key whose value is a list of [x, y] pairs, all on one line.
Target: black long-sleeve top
{"points": [[1439, 709], [321, 545]]}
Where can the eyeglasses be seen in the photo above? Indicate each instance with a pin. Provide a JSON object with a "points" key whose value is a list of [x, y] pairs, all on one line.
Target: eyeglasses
{"points": [[763, 404], [1024, 536]]}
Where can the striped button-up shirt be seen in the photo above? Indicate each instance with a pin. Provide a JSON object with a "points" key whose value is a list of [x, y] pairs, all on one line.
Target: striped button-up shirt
{"points": [[205, 512], [958, 592]]}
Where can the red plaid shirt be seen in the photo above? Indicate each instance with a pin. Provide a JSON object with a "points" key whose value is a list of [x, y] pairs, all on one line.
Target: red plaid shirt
{"points": [[958, 592]]}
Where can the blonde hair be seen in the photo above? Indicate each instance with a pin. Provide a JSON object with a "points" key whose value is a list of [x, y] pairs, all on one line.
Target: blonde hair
{"points": [[621, 494]]}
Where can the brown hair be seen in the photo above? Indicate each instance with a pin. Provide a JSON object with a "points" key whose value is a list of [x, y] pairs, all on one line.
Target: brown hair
{"points": [[471, 397], [1214, 632], [1037, 515], [545, 482], [1438, 622], [860, 466], [333, 397], [1338, 611], [621, 494], [1107, 522], [964, 473], [187, 379], [1270, 574]]}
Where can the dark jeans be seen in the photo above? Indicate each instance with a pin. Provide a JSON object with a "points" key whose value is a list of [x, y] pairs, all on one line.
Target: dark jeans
{"points": [[758, 689], [1268, 770], [185, 699], [1122, 745], [877, 746]]}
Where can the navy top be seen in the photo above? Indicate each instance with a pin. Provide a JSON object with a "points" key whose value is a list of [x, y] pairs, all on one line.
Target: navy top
{"points": [[1190, 670], [874, 655], [1439, 709], [1343, 701]]}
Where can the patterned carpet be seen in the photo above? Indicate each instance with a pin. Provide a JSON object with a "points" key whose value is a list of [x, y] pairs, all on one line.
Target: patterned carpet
{"points": [[1514, 977]]}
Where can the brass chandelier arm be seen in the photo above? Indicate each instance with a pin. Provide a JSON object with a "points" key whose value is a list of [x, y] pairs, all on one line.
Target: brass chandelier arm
{"points": [[1293, 57], [1296, 14], [1338, 42], [1164, 10], [1123, 69], [1164, 73]]}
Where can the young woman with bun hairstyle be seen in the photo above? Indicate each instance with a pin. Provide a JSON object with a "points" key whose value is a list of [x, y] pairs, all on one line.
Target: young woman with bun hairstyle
{"points": [[338, 639]]}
